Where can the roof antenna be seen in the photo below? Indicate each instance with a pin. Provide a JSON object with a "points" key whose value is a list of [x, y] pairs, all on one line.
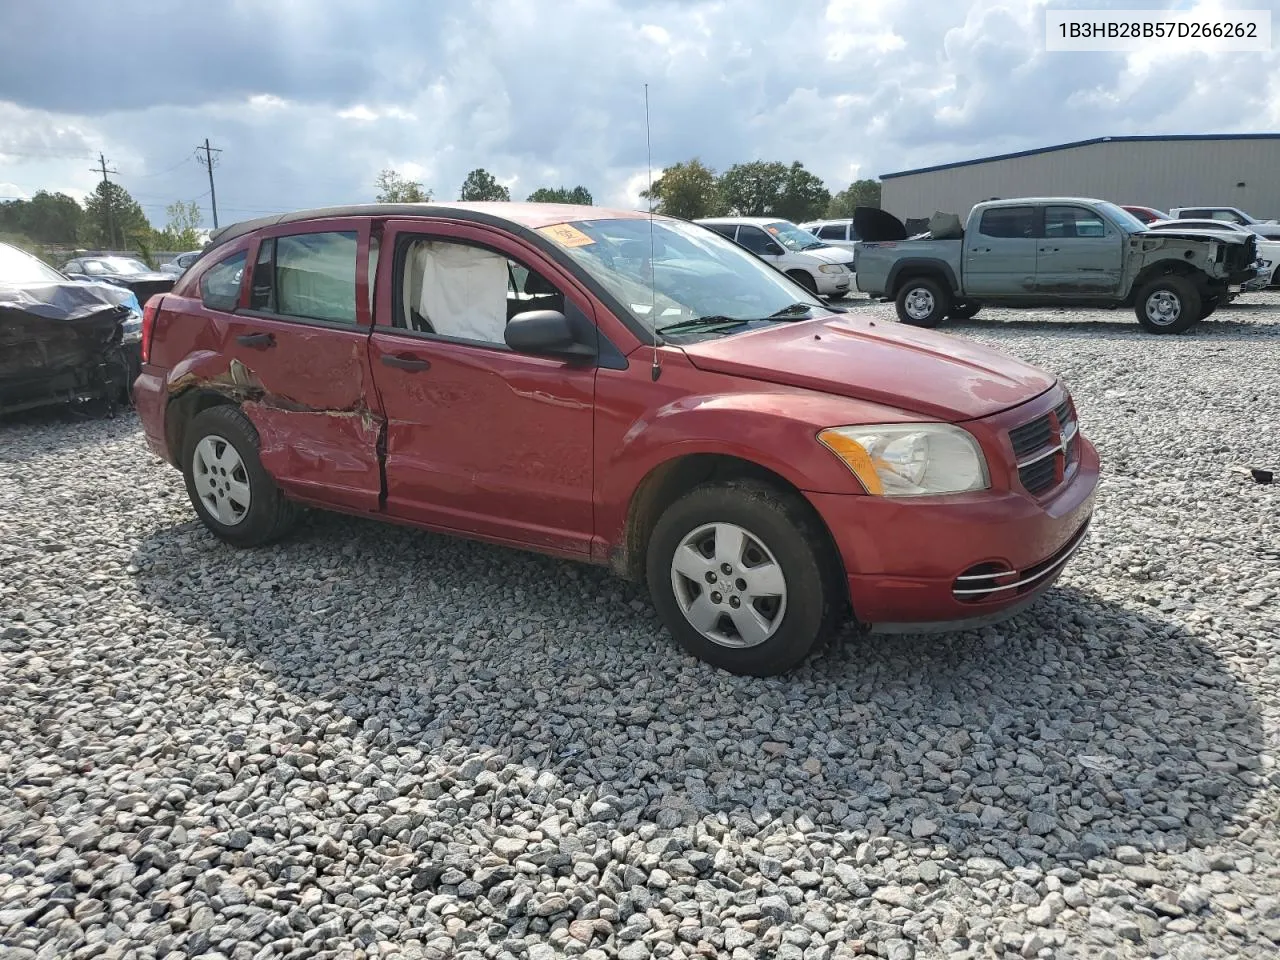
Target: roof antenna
{"points": [[655, 371]]}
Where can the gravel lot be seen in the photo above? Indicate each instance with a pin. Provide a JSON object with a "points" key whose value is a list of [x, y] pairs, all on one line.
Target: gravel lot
{"points": [[372, 742]]}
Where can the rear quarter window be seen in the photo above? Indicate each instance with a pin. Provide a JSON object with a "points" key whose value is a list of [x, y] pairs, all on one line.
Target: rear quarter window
{"points": [[220, 285]]}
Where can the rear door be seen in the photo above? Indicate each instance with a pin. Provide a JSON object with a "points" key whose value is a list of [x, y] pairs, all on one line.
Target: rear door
{"points": [[1000, 254], [481, 439], [1080, 254], [293, 316]]}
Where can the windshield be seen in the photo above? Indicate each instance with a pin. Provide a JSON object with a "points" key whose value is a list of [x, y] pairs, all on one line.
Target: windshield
{"points": [[792, 237], [16, 266], [696, 272], [1122, 218], [124, 265]]}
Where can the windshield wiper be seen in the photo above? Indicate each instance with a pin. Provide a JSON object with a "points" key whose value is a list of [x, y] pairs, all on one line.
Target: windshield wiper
{"points": [[711, 323], [791, 310]]}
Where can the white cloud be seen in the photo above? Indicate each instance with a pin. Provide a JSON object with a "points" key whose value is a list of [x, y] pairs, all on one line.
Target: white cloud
{"points": [[309, 102]]}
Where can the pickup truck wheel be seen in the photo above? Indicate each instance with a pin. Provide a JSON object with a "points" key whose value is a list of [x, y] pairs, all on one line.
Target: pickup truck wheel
{"points": [[1209, 306], [741, 575], [805, 280], [964, 311], [1169, 304], [232, 493], [923, 302]]}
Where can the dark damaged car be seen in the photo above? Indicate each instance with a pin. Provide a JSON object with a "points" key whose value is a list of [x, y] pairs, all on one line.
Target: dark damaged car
{"points": [[124, 272], [1050, 251], [62, 340]]}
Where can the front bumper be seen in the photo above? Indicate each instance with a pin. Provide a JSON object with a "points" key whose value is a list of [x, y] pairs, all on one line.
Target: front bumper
{"points": [[903, 558], [832, 284]]}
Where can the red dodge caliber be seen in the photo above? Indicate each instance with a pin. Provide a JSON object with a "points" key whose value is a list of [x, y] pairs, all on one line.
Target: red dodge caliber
{"points": [[623, 390]]}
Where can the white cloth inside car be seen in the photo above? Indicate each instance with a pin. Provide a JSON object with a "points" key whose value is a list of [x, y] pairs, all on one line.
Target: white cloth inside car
{"points": [[460, 291]]}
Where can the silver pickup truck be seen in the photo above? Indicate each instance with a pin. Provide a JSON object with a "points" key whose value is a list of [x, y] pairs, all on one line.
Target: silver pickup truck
{"points": [[1041, 251]]}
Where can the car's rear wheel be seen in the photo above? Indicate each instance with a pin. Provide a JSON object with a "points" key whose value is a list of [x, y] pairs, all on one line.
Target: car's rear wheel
{"points": [[964, 311], [805, 280], [1209, 305], [923, 302], [232, 493], [743, 576], [1169, 304]]}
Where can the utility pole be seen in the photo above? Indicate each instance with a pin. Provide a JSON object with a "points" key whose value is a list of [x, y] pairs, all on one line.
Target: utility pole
{"points": [[209, 160], [106, 198]]}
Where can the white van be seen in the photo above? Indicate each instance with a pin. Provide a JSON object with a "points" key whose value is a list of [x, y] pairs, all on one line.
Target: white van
{"points": [[820, 268], [837, 233]]}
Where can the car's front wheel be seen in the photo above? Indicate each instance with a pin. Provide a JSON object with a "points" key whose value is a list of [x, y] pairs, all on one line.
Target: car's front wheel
{"points": [[1169, 304], [743, 576], [232, 493], [923, 302]]}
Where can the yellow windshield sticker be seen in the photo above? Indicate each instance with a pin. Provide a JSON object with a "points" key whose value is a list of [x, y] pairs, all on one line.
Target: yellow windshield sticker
{"points": [[567, 235]]}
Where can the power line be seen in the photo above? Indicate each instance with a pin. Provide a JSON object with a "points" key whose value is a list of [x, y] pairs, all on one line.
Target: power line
{"points": [[208, 161]]}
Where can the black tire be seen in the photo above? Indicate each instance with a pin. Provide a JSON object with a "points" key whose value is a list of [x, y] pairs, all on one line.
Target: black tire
{"points": [[918, 291], [1209, 305], [1275, 278], [786, 526], [964, 311], [1185, 302], [805, 280], [269, 515]]}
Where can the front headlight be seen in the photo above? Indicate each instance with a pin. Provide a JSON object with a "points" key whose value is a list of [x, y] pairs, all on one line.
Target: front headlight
{"points": [[831, 268], [910, 459]]}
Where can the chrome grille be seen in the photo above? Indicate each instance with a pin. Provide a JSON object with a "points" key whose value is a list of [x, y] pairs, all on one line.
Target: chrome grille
{"points": [[1045, 447]]}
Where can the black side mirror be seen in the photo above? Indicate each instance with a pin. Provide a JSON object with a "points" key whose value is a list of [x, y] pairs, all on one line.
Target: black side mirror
{"points": [[774, 250], [548, 333]]}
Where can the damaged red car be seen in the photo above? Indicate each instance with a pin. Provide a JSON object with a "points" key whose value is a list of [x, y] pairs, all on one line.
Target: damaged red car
{"points": [[632, 392]]}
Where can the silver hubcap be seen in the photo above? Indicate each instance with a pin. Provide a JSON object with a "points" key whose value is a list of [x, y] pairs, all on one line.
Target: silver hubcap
{"points": [[919, 303], [728, 585], [1163, 308], [221, 481]]}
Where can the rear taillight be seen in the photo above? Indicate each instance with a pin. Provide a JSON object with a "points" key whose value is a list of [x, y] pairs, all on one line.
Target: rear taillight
{"points": [[149, 313]]}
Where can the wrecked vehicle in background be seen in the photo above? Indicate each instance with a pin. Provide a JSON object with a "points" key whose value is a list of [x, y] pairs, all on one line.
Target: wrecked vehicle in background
{"points": [[62, 340], [124, 272], [1052, 251]]}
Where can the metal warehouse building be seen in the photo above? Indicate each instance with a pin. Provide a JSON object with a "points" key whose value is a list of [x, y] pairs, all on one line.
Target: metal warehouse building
{"points": [[1228, 170]]}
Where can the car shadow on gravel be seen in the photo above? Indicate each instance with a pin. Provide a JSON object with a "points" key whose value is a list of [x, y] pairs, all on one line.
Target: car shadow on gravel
{"points": [[1057, 736]]}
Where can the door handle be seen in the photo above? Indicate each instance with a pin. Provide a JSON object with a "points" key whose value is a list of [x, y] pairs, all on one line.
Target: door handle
{"points": [[262, 340], [979, 249], [405, 362], [1047, 250]]}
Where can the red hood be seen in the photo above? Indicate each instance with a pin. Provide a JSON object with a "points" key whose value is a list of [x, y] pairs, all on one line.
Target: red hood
{"points": [[878, 361]]}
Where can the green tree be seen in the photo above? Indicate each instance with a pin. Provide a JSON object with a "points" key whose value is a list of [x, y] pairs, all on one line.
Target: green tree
{"points": [[754, 189], [805, 196], [393, 188], [687, 190], [113, 219], [481, 185], [45, 218], [579, 195], [860, 193], [182, 231]]}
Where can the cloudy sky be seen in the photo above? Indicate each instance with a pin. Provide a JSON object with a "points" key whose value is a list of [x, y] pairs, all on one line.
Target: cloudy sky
{"points": [[309, 99]]}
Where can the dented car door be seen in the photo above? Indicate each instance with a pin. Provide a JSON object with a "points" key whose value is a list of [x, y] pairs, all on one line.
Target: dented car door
{"points": [[297, 345]]}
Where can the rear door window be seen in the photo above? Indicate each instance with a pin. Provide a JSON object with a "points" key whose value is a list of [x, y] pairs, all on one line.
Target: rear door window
{"points": [[832, 231], [220, 285], [724, 229], [307, 276], [1017, 222]]}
